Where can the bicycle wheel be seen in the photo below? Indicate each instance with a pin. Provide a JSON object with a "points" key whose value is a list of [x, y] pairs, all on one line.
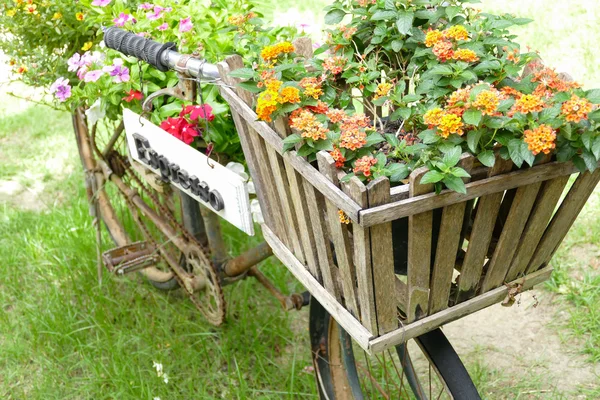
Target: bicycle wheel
{"points": [[123, 221], [429, 368]]}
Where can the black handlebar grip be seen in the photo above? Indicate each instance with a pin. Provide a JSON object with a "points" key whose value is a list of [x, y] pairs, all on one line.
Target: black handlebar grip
{"points": [[133, 45]]}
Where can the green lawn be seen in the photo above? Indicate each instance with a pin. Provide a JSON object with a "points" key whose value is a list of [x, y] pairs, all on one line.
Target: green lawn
{"points": [[62, 336]]}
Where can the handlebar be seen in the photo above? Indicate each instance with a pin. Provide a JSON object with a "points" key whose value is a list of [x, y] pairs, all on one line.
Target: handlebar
{"points": [[159, 55]]}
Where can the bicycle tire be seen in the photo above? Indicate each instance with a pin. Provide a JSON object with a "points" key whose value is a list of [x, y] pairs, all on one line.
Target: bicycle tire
{"points": [[341, 381]]}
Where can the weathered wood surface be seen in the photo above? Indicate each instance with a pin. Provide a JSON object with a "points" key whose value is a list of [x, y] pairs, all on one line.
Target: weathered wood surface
{"points": [[339, 236], [382, 260], [329, 302], [481, 235], [548, 198], [430, 201], [419, 252], [323, 185], [362, 258], [564, 218], [520, 209], [436, 320]]}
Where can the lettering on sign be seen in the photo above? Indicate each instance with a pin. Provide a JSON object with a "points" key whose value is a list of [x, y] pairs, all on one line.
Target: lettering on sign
{"points": [[210, 183]]}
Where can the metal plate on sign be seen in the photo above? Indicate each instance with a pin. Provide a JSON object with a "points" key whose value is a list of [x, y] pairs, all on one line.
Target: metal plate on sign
{"points": [[208, 182]]}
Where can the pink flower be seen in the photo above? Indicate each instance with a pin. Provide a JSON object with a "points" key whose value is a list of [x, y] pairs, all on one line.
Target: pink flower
{"points": [[185, 25], [163, 27], [123, 18], [101, 3], [119, 72], [75, 62], [93, 76], [81, 72], [61, 89], [156, 14], [196, 112], [146, 6]]}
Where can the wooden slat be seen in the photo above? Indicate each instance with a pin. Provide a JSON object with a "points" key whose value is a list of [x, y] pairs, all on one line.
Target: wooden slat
{"points": [[511, 234], [304, 168], [401, 294], [382, 260], [546, 202], [362, 258], [316, 206], [564, 218], [430, 201], [481, 235], [436, 320], [419, 252], [339, 236], [447, 248], [255, 147], [329, 302], [304, 221]]}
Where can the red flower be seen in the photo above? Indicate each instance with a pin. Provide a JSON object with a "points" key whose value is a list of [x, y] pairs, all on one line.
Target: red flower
{"points": [[188, 132], [133, 95], [181, 129], [203, 111]]}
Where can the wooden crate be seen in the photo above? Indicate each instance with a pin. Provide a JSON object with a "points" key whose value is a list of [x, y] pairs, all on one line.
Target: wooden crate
{"points": [[464, 252]]}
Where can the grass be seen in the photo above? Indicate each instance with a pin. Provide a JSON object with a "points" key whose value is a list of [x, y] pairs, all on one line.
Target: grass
{"points": [[65, 337]]}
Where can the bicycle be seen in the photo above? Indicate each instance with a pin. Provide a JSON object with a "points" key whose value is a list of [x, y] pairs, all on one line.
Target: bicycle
{"points": [[172, 240]]}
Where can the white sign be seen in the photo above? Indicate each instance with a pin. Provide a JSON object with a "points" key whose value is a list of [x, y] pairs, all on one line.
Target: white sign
{"points": [[218, 188]]}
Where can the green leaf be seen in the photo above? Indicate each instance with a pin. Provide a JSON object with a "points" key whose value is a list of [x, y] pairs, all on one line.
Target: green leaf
{"points": [[487, 66], [397, 45], [459, 172], [373, 139], [452, 11], [441, 70], [593, 96], [404, 23], [432, 177], [455, 183], [487, 158], [244, 73], [505, 105], [596, 148], [429, 136], [290, 141], [347, 177], [579, 163], [587, 139], [383, 15], [334, 16], [494, 122], [403, 112], [392, 139], [472, 117], [527, 155], [409, 98], [398, 172], [390, 5], [381, 160], [514, 150], [305, 150], [452, 157], [565, 153], [250, 86], [590, 161], [473, 138]]}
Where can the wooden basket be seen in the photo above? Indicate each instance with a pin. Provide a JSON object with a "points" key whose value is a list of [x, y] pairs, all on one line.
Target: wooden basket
{"points": [[464, 252]]}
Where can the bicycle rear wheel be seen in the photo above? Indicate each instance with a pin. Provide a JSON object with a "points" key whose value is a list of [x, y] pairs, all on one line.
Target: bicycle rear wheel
{"points": [[427, 368]]}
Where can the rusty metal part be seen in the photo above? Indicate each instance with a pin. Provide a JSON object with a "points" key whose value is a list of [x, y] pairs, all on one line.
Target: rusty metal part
{"points": [[212, 226], [113, 139], [242, 263], [293, 301], [129, 258]]}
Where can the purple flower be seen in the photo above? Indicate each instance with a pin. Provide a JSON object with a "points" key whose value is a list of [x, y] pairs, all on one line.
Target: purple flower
{"points": [[146, 6], [123, 18], [81, 72], [163, 27], [75, 62], [185, 25], [61, 89], [93, 76], [101, 3], [118, 71]]}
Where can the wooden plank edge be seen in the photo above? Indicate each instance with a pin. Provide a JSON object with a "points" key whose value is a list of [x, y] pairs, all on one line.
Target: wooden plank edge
{"points": [[427, 202], [350, 324], [436, 320]]}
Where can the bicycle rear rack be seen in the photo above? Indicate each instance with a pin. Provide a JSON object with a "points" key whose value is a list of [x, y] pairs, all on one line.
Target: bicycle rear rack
{"points": [[130, 258]]}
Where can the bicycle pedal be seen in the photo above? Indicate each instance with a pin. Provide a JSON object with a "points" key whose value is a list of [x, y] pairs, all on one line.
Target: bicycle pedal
{"points": [[129, 258]]}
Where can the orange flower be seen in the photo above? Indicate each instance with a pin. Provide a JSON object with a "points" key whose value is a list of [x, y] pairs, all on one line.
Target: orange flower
{"points": [[458, 101], [457, 32], [343, 217], [290, 94], [348, 32], [512, 55], [433, 37], [443, 50], [273, 85], [449, 124], [487, 101], [465, 55], [383, 89], [507, 92], [548, 78], [334, 64], [363, 165], [353, 139], [270, 53], [338, 157], [320, 108], [335, 115], [540, 140], [308, 125], [434, 116], [236, 20], [22, 69], [576, 109], [529, 103], [312, 87], [12, 62], [80, 16], [266, 105]]}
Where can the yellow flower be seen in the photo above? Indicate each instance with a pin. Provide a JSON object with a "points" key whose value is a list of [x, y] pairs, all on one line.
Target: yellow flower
{"points": [[540, 140], [465, 55], [457, 32], [11, 13], [80, 16], [343, 217], [31, 9], [433, 37], [528, 103], [433, 116], [273, 84], [383, 89], [56, 16], [449, 124], [22, 69], [312, 87], [487, 101], [266, 104], [270, 53], [290, 94], [576, 109], [87, 46]]}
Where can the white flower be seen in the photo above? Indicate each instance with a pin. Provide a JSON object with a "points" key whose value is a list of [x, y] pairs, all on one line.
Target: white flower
{"points": [[251, 187], [166, 378], [257, 215], [158, 367], [95, 113], [156, 398], [238, 169]]}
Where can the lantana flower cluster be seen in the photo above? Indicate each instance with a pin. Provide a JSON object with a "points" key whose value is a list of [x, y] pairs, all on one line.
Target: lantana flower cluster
{"points": [[446, 44]]}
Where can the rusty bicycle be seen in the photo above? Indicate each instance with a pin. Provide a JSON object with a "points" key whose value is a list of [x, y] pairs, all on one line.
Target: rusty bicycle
{"points": [[176, 242]]}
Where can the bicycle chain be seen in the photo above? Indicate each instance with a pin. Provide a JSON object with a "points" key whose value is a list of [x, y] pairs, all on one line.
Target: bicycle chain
{"points": [[206, 262]]}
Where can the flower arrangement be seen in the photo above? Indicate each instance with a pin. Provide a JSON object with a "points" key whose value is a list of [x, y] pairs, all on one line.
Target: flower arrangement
{"points": [[401, 85]]}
